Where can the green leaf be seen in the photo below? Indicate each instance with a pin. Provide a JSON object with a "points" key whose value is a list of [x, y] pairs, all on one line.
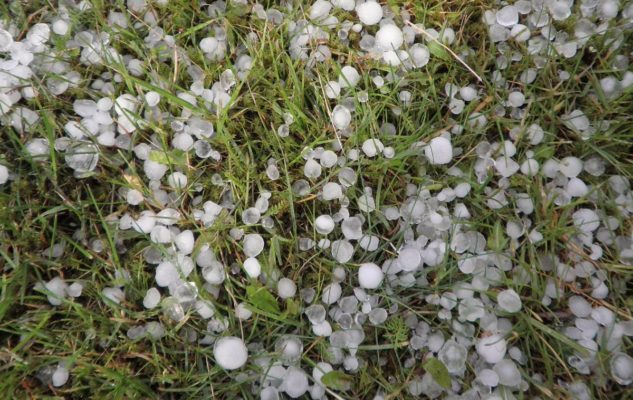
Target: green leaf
{"points": [[336, 380], [497, 241], [437, 50], [260, 298], [438, 371], [175, 156]]}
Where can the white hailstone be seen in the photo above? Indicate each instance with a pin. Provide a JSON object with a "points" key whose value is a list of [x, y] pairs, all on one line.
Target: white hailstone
{"points": [[491, 348], [352, 228], [508, 16], [58, 289], [185, 242], [166, 274], [253, 244], [160, 234], [82, 157], [320, 9], [323, 329], [571, 167], [6, 40], [370, 276], [312, 169], [369, 13], [456, 106], [251, 216], [286, 288], [177, 180], [420, 55], [622, 368], [516, 99], [152, 98], [332, 191], [576, 188], [114, 294], [252, 267], [508, 373], [85, 108], [332, 89], [145, 222], [4, 174], [134, 197], [509, 301], [389, 37], [242, 312], [439, 151], [530, 167], [371, 147], [603, 316], [506, 166], [324, 224], [342, 251], [230, 352], [60, 376], [586, 220], [152, 298], [328, 159], [520, 33], [341, 117], [576, 121], [349, 77], [580, 307], [559, 9], [331, 293], [410, 258], [75, 289], [153, 170], [38, 34], [295, 382]]}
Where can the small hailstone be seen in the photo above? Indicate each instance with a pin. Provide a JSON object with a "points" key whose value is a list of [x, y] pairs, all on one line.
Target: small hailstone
{"points": [[295, 382], [622, 368], [252, 267], [371, 147], [324, 224], [508, 16], [570, 166], [530, 167], [177, 180], [4, 174], [151, 299], [166, 274], [439, 151], [320, 9], [578, 306], [185, 241], [491, 348], [389, 37], [230, 353], [520, 33], [370, 276], [286, 288], [509, 301], [113, 294], [506, 166], [586, 220], [253, 244], [60, 376], [251, 216], [369, 13], [341, 117], [349, 77], [6, 40], [516, 99], [134, 197], [488, 377], [332, 89], [75, 289], [509, 374], [332, 191], [312, 169], [152, 98], [328, 159], [82, 157], [331, 293], [342, 251]]}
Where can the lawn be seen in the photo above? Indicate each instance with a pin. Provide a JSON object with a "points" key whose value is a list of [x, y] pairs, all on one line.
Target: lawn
{"points": [[342, 200]]}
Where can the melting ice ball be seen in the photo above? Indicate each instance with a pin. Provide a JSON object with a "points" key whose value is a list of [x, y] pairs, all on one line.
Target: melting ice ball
{"points": [[230, 352]]}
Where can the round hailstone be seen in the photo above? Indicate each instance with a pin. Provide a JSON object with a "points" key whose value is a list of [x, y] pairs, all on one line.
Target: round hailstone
{"points": [[509, 301], [571, 167], [230, 352], [251, 216], [331, 293], [369, 13], [253, 244], [6, 40], [328, 159], [342, 251], [4, 174], [530, 167], [134, 197], [520, 33], [320, 9], [324, 224], [370, 276], [516, 99], [580, 307], [349, 77], [332, 191], [252, 267], [60, 26], [151, 299], [152, 98], [439, 151], [177, 180], [622, 368], [312, 169], [341, 117], [491, 348], [586, 220], [166, 274], [286, 288], [371, 147], [508, 16], [508, 373], [389, 37], [82, 157], [185, 242], [60, 376]]}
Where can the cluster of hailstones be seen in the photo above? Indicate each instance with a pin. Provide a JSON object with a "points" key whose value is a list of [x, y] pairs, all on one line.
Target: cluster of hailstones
{"points": [[433, 222]]}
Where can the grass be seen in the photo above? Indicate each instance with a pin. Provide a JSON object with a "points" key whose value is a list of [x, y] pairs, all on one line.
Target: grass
{"points": [[45, 205]]}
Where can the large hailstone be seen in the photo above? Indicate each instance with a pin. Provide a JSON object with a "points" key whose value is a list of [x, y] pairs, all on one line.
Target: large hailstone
{"points": [[230, 352], [491, 348], [509, 301], [369, 13], [370, 276], [389, 37], [439, 151]]}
